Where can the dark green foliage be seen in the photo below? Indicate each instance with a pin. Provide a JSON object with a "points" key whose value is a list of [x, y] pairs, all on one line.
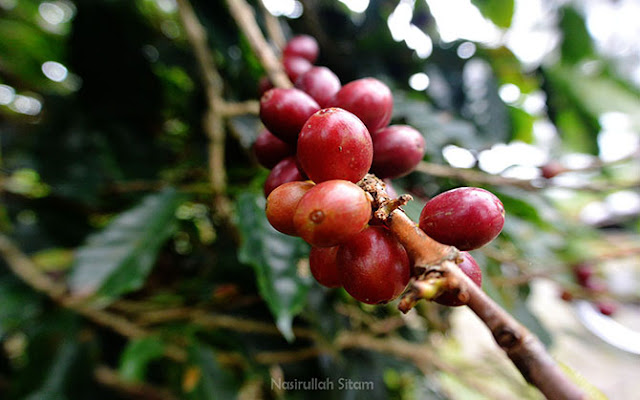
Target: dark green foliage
{"points": [[107, 191]]}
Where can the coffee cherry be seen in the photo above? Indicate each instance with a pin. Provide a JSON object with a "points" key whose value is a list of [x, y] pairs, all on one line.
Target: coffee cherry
{"points": [[466, 217], [304, 46], [282, 203], [369, 99], [397, 150], [264, 84], [284, 111], [607, 308], [583, 272], [285, 171], [551, 169], [269, 150], [295, 67], [470, 267], [331, 212], [320, 83], [323, 265], [373, 266], [334, 144]]}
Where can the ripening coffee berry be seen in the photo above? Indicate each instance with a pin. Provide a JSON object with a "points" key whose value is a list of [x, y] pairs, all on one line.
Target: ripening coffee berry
{"points": [[284, 111], [334, 144], [397, 149], [551, 169], [331, 212], [466, 217], [369, 99], [295, 67], [607, 308], [285, 171], [373, 266], [264, 84], [470, 267], [323, 265], [269, 150], [304, 46], [282, 203], [320, 83]]}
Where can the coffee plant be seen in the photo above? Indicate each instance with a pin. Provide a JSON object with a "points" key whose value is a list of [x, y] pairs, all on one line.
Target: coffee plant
{"points": [[237, 199]]}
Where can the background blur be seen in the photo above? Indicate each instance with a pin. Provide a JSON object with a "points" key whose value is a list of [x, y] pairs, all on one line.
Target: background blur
{"points": [[119, 279]]}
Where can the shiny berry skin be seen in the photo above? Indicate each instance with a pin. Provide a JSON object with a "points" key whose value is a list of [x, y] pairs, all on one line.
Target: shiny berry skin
{"points": [[369, 99], [320, 83], [323, 265], [285, 171], [470, 267], [295, 67], [466, 217], [334, 144], [284, 111], [304, 46], [373, 266], [282, 203], [331, 212], [269, 150], [397, 150]]}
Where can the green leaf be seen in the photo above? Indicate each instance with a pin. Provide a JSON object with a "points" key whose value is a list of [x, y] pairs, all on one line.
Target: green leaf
{"points": [[205, 379], [596, 94], [274, 257], [500, 12], [576, 41], [18, 304], [54, 386], [137, 355], [118, 259]]}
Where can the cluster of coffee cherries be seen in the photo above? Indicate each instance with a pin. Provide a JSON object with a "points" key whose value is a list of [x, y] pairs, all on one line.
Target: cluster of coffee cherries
{"points": [[320, 139], [585, 275]]}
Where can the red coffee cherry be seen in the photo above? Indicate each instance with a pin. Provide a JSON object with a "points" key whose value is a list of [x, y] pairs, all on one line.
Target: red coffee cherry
{"points": [[607, 308], [295, 67], [334, 144], [264, 84], [373, 266], [583, 272], [323, 265], [466, 217], [304, 46], [320, 83], [284, 111], [369, 99], [552, 169], [397, 150], [470, 267], [285, 171], [282, 203], [331, 212], [269, 150]]}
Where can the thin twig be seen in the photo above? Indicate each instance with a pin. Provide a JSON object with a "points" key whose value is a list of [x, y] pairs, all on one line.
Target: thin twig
{"points": [[436, 272], [236, 109], [244, 16], [274, 30], [135, 390], [475, 176], [21, 265], [213, 119]]}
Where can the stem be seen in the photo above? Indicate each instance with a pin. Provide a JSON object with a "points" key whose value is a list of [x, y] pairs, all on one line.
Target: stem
{"points": [[213, 120], [436, 272], [245, 18]]}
